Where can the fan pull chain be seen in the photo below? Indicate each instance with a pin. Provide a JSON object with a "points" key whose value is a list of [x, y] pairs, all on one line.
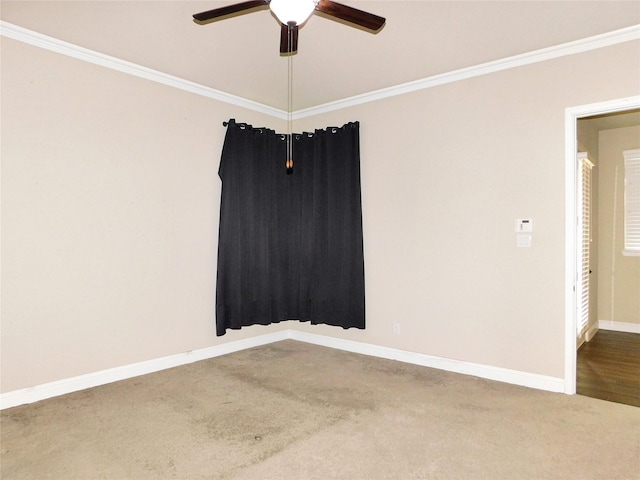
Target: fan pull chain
{"points": [[289, 162]]}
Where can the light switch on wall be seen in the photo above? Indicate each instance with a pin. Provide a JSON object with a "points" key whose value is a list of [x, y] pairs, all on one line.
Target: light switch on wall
{"points": [[523, 240]]}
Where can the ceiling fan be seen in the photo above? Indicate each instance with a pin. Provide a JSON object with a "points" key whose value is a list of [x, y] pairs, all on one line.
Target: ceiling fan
{"points": [[293, 13]]}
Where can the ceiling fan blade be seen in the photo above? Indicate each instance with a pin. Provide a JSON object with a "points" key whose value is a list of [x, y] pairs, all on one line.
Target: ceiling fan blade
{"points": [[351, 15], [288, 38], [229, 10]]}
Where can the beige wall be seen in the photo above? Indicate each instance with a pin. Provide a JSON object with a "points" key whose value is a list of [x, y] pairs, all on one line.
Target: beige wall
{"points": [[446, 171], [110, 205], [619, 275]]}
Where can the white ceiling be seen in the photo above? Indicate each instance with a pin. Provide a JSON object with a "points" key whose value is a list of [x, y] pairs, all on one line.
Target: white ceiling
{"points": [[240, 55]]}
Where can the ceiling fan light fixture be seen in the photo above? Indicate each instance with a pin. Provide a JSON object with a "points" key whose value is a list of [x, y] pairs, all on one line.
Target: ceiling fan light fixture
{"points": [[297, 11]]}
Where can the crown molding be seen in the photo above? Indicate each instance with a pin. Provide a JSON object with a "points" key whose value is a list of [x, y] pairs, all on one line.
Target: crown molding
{"points": [[578, 46], [570, 48], [36, 39]]}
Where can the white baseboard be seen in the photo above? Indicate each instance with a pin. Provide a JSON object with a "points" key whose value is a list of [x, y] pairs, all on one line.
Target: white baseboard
{"points": [[74, 384], [619, 326], [515, 377], [102, 377], [591, 332]]}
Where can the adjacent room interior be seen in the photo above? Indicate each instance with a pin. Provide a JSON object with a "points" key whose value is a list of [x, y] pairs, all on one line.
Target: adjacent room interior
{"points": [[608, 344], [112, 133]]}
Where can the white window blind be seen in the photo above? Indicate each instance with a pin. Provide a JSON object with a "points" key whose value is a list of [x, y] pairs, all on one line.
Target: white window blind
{"points": [[584, 239], [631, 202]]}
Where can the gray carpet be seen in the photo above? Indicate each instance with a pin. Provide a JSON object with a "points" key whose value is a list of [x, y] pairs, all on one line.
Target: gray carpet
{"points": [[291, 410]]}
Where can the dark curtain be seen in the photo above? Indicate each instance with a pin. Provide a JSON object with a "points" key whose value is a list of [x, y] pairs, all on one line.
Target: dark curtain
{"points": [[290, 245]]}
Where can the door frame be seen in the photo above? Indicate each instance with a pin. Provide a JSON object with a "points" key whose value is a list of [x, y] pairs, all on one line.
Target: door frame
{"points": [[572, 114]]}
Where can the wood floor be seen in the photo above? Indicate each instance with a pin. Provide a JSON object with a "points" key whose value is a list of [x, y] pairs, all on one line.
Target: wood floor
{"points": [[608, 367]]}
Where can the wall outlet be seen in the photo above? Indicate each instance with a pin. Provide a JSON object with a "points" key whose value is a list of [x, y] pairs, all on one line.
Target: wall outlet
{"points": [[396, 329]]}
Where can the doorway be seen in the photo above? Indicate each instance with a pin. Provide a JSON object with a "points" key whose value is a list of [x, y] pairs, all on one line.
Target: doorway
{"points": [[574, 306]]}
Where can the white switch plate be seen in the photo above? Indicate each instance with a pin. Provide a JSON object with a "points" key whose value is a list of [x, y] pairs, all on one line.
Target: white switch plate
{"points": [[523, 240]]}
